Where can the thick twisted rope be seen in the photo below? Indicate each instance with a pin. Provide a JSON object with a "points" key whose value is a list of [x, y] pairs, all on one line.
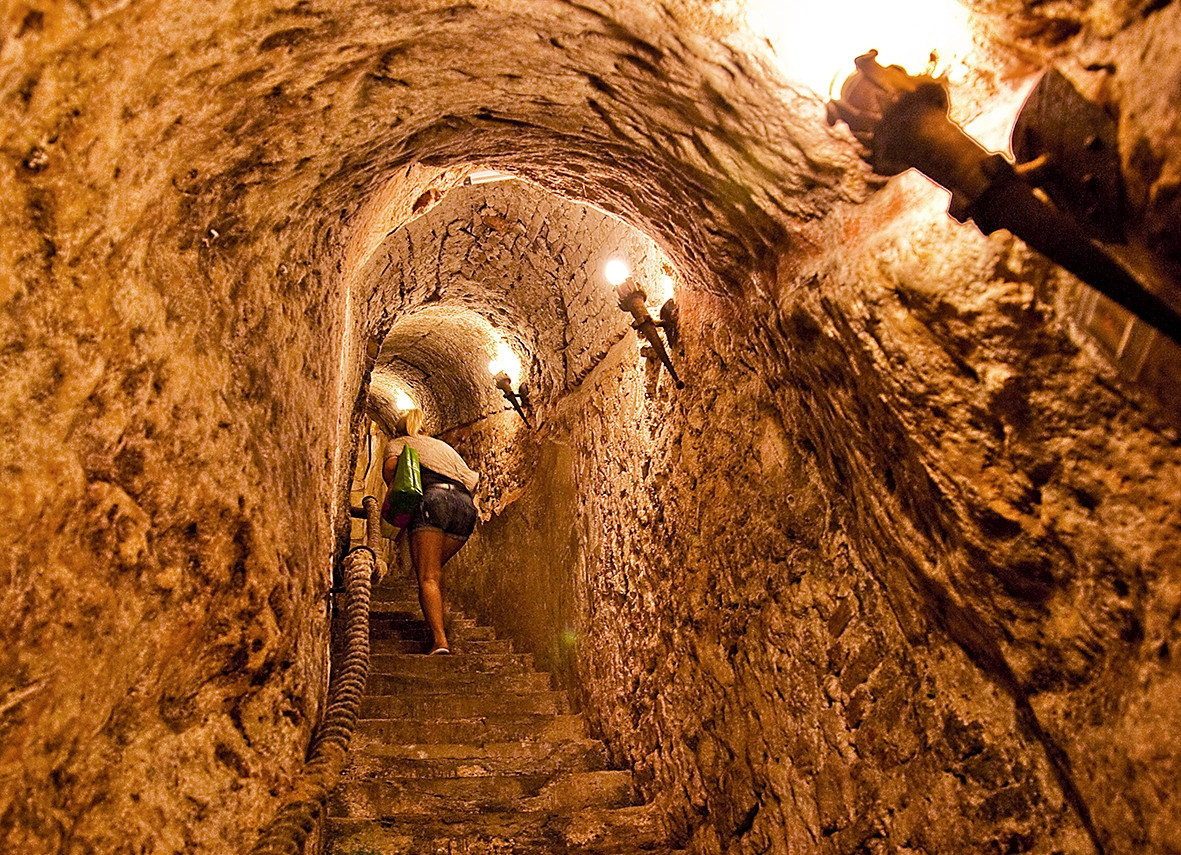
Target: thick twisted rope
{"points": [[328, 754], [373, 533]]}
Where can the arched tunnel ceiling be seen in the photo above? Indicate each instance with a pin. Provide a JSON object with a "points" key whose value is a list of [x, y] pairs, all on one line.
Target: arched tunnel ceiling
{"points": [[238, 126], [436, 354], [196, 198], [233, 123], [505, 259]]}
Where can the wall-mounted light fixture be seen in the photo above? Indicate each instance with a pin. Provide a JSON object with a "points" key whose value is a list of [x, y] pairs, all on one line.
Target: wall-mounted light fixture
{"points": [[811, 42], [505, 369], [487, 176], [518, 399], [903, 122], [632, 299]]}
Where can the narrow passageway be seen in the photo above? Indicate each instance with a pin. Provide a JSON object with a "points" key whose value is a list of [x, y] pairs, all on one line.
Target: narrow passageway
{"points": [[895, 570], [474, 752]]}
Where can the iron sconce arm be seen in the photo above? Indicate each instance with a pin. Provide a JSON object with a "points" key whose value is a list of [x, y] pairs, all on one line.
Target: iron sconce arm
{"points": [[519, 400], [633, 300], [903, 122]]}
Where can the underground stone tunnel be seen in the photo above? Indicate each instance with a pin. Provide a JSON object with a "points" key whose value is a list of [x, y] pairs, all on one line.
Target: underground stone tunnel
{"points": [[896, 571]]}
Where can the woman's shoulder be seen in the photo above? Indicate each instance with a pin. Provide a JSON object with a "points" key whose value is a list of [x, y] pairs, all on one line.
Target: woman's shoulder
{"points": [[424, 441]]}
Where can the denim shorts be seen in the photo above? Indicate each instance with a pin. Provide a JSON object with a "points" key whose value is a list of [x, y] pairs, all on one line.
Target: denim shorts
{"points": [[450, 511]]}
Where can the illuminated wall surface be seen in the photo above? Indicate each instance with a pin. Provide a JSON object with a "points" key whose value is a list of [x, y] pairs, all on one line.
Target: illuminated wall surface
{"points": [[896, 571]]}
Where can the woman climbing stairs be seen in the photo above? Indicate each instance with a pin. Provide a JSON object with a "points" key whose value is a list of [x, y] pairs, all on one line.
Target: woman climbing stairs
{"points": [[473, 753]]}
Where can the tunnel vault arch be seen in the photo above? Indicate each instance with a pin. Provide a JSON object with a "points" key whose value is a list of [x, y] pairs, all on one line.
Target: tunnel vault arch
{"points": [[970, 565], [504, 261]]}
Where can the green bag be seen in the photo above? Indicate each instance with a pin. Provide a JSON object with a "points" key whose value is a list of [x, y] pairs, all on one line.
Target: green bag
{"points": [[405, 492]]}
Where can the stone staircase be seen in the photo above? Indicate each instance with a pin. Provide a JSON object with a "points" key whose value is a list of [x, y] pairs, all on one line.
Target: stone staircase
{"points": [[473, 753]]}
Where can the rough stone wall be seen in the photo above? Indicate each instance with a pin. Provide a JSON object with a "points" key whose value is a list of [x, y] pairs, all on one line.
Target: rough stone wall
{"points": [[191, 191], [514, 258], [727, 635], [878, 579], [995, 507], [1041, 488]]}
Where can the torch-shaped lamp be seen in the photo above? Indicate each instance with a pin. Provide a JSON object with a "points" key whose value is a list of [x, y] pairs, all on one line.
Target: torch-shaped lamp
{"points": [[633, 299], [518, 399], [903, 122]]}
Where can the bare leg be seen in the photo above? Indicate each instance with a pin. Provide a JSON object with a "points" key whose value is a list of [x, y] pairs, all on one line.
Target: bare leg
{"points": [[451, 545], [426, 553]]}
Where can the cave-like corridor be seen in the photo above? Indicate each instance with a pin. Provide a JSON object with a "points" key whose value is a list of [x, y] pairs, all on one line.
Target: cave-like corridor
{"points": [[897, 570]]}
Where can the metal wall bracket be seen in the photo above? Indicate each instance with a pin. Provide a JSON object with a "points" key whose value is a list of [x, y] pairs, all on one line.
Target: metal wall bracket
{"points": [[1072, 146]]}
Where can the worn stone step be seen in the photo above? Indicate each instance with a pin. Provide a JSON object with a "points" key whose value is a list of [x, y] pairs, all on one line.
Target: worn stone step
{"points": [[418, 631], [399, 594], [406, 604], [436, 797], [407, 616], [409, 609], [416, 665], [425, 705], [592, 830], [476, 730], [396, 583], [461, 682], [410, 623], [475, 761], [380, 646]]}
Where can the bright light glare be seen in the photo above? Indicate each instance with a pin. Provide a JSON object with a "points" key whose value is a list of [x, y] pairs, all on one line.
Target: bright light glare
{"points": [[816, 42], [403, 401], [616, 271], [665, 288], [504, 359]]}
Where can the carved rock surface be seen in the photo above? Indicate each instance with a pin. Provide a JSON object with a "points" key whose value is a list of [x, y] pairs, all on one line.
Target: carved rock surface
{"points": [[897, 571]]}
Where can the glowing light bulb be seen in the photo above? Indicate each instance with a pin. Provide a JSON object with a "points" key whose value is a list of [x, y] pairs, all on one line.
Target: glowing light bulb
{"points": [[815, 43], [665, 288], [504, 359], [403, 401], [616, 271]]}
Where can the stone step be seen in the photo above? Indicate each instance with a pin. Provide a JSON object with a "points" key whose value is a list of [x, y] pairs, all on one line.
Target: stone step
{"points": [[460, 682], [418, 631], [592, 830], [382, 646], [475, 761], [435, 667], [396, 604], [396, 583], [441, 706], [396, 608], [479, 730], [400, 620], [474, 754], [395, 594], [403, 798]]}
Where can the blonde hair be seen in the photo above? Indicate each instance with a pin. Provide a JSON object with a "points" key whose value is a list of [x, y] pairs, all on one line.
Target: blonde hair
{"points": [[410, 424]]}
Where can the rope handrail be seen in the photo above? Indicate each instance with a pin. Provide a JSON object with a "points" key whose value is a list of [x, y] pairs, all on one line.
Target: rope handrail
{"points": [[328, 753]]}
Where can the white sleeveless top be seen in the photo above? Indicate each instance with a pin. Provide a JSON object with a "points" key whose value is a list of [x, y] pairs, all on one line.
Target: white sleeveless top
{"points": [[437, 455]]}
